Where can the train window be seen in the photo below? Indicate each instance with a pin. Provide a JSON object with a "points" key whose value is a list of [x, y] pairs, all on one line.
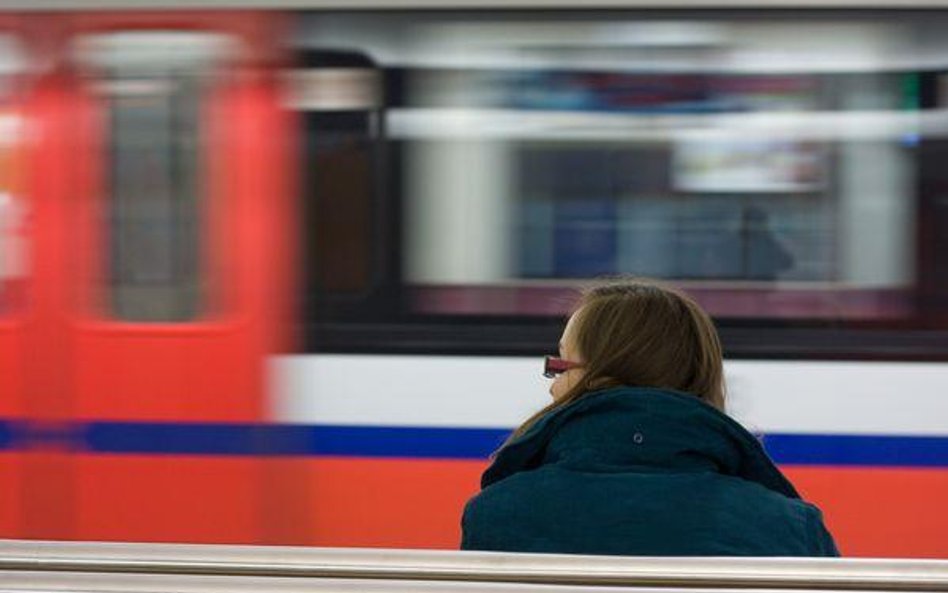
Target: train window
{"points": [[13, 218], [746, 187], [725, 153], [153, 84], [13, 208], [339, 94]]}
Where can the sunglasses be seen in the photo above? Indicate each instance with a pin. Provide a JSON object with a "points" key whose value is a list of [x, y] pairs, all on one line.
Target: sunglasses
{"points": [[553, 366]]}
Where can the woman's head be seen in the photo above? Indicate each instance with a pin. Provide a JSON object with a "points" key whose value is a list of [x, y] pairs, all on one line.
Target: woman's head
{"points": [[639, 333]]}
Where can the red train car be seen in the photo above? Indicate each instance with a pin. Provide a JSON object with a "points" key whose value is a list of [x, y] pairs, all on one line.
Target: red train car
{"points": [[158, 209]]}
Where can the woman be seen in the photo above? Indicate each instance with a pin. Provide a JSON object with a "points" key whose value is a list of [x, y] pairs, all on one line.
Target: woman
{"points": [[635, 455]]}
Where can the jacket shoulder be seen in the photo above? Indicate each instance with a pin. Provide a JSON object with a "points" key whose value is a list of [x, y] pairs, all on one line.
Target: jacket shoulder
{"points": [[822, 540]]}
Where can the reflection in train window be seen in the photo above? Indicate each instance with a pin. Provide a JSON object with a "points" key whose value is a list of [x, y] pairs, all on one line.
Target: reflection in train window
{"points": [[765, 190], [153, 86]]}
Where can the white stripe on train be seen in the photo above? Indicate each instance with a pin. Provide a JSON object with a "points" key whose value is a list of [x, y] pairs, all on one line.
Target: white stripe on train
{"points": [[882, 398]]}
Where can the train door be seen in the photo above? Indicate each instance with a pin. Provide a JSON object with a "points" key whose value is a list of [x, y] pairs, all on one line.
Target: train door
{"points": [[14, 244], [178, 263]]}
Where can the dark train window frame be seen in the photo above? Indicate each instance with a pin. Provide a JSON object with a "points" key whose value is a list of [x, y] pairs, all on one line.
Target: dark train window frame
{"points": [[382, 322]]}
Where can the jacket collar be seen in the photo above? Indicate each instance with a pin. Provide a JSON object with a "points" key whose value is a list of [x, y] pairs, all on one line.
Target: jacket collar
{"points": [[641, 430]]}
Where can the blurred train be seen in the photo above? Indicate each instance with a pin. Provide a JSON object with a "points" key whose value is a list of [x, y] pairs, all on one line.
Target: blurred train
{"points": [[286, 276]]}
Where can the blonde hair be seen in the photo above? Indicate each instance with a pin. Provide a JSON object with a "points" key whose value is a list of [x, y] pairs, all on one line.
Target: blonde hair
{"points": [[638, 332]]}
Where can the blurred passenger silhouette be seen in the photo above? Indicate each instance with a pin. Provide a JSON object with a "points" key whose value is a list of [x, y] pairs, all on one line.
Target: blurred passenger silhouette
{"points": [[765, 257]]}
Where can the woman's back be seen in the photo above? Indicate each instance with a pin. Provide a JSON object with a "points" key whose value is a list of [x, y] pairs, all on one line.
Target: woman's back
{"points": [[638, 471]]}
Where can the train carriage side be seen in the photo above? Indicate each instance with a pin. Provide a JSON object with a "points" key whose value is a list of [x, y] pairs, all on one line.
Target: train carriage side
{"points": [[164, 252], [170, 356]]}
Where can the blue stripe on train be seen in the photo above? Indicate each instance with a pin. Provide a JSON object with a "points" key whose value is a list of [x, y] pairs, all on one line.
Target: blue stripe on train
{"points": [[6, 435], [813, 449], [275, 439], [431, 443]]}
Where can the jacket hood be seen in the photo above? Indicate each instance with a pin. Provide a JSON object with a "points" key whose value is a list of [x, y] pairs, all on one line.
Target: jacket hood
{"points": [[637, 429]]}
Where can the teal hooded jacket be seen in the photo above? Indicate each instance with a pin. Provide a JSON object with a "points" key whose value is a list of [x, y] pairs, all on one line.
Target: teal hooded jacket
{"points": [[640, 471]]}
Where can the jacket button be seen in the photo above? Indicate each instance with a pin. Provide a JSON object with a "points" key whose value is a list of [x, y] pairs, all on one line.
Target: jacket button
{"points": [[637, 438]]}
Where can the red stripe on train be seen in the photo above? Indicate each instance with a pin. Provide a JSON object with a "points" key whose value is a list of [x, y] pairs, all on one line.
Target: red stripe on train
{"points": [[413, 503], [357, 502], [888, 512]]}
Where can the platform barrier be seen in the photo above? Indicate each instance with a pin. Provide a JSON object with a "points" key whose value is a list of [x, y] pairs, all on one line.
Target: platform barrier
{"points": [[174, 568]]}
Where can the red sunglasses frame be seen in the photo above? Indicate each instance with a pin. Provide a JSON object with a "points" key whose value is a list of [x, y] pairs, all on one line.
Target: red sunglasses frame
{"points": [[554, 365]]}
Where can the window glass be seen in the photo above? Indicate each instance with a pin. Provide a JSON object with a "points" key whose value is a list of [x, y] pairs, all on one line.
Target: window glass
{"points": [[155, 206], [339, 96], [13, 206], [154, 85], [749, 189], [13, 220]]}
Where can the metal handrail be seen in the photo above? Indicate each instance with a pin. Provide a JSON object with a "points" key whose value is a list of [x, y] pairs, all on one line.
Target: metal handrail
{"points": [[72, 5], [485, 567]]}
